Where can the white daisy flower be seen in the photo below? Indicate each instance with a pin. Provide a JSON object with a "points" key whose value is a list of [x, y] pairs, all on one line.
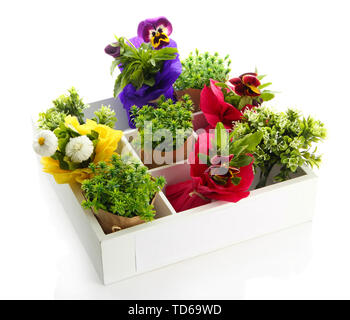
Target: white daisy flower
{"points": [[45, 143], [79, 149]]}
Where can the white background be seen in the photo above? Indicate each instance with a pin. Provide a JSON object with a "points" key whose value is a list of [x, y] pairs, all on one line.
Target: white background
{"points": [[48, 46]]}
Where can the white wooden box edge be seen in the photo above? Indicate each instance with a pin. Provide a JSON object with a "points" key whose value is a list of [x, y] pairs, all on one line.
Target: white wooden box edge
{"points": [[117, 256]]}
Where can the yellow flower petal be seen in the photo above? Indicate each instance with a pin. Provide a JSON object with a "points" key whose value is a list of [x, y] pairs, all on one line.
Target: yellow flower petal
{"points": [[107, 145], [73, 121]]}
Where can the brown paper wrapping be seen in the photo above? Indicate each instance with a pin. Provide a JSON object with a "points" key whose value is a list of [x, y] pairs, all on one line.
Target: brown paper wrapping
{"points": [[169, 156], [195, 95], [110, 222]]}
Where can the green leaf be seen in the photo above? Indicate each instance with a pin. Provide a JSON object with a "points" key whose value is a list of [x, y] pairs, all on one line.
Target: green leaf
{"points": [[117, 86], [244, 101], [221, 85], [92, 135], [150, 82], [241, 161], [267, 96], [204, 158], [249, 142], [221, 138], [238, 150], [140, 65], [114, 65], [260, 77], [236, 180], [137, 78], [153, 62], [262, 86]]}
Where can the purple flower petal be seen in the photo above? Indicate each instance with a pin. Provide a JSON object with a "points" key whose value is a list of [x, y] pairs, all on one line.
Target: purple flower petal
{"points": [[147, 26], [112, 50]]}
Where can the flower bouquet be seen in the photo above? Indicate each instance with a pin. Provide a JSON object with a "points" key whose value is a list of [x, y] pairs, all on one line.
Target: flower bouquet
{"points": [[68, 150], [221, 169], [149, 64]]}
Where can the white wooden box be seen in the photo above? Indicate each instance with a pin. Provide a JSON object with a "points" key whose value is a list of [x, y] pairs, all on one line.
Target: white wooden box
{"points": [[173, 236]]}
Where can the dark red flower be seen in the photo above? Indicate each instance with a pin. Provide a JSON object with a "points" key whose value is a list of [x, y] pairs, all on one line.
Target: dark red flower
{"points": [[246, 85], [215, 108], [113, 50]]}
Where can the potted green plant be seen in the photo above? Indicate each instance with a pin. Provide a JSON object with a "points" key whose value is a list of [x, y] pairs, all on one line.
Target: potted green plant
{"points": [[197, 70], [121, 193], [63, 106], [106, 116], [140, 65], [164, 131], [287, 140], [146, 72], [73, 105]]}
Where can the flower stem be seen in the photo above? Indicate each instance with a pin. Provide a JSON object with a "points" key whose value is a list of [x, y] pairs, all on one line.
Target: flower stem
{"points": [[262, 180], [264, 174]]}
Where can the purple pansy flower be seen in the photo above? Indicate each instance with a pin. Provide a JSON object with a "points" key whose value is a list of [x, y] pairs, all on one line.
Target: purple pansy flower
{"points": [[156, 31]]}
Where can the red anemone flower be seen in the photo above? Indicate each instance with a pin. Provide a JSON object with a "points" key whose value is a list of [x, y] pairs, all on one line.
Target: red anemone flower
{"points": [[246, 85]]}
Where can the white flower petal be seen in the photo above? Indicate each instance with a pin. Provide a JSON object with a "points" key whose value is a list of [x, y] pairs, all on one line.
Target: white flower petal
{"points": [[45, 143], [79, 149]]}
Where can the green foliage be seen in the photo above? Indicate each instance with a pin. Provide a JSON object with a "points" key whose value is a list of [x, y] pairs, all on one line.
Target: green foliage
{"points": [[105, 115], [64, 134], [122, 188], [140, 65], [287, 139], [63, 106], [176, 117], [198, 69], [50, 119], [223, 145], [266, 94]]}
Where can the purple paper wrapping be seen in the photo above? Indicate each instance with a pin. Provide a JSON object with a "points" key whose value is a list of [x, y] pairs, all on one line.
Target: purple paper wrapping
{"points": [[163, 85]]}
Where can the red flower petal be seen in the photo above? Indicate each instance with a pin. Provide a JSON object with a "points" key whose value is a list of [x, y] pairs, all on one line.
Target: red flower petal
{"points": [[235, 81], [202, 145], [179, 197], [240, 89], [210, 106], [216, 90], [230, 114], [215, 108], [248, 73], [251, 80]]}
